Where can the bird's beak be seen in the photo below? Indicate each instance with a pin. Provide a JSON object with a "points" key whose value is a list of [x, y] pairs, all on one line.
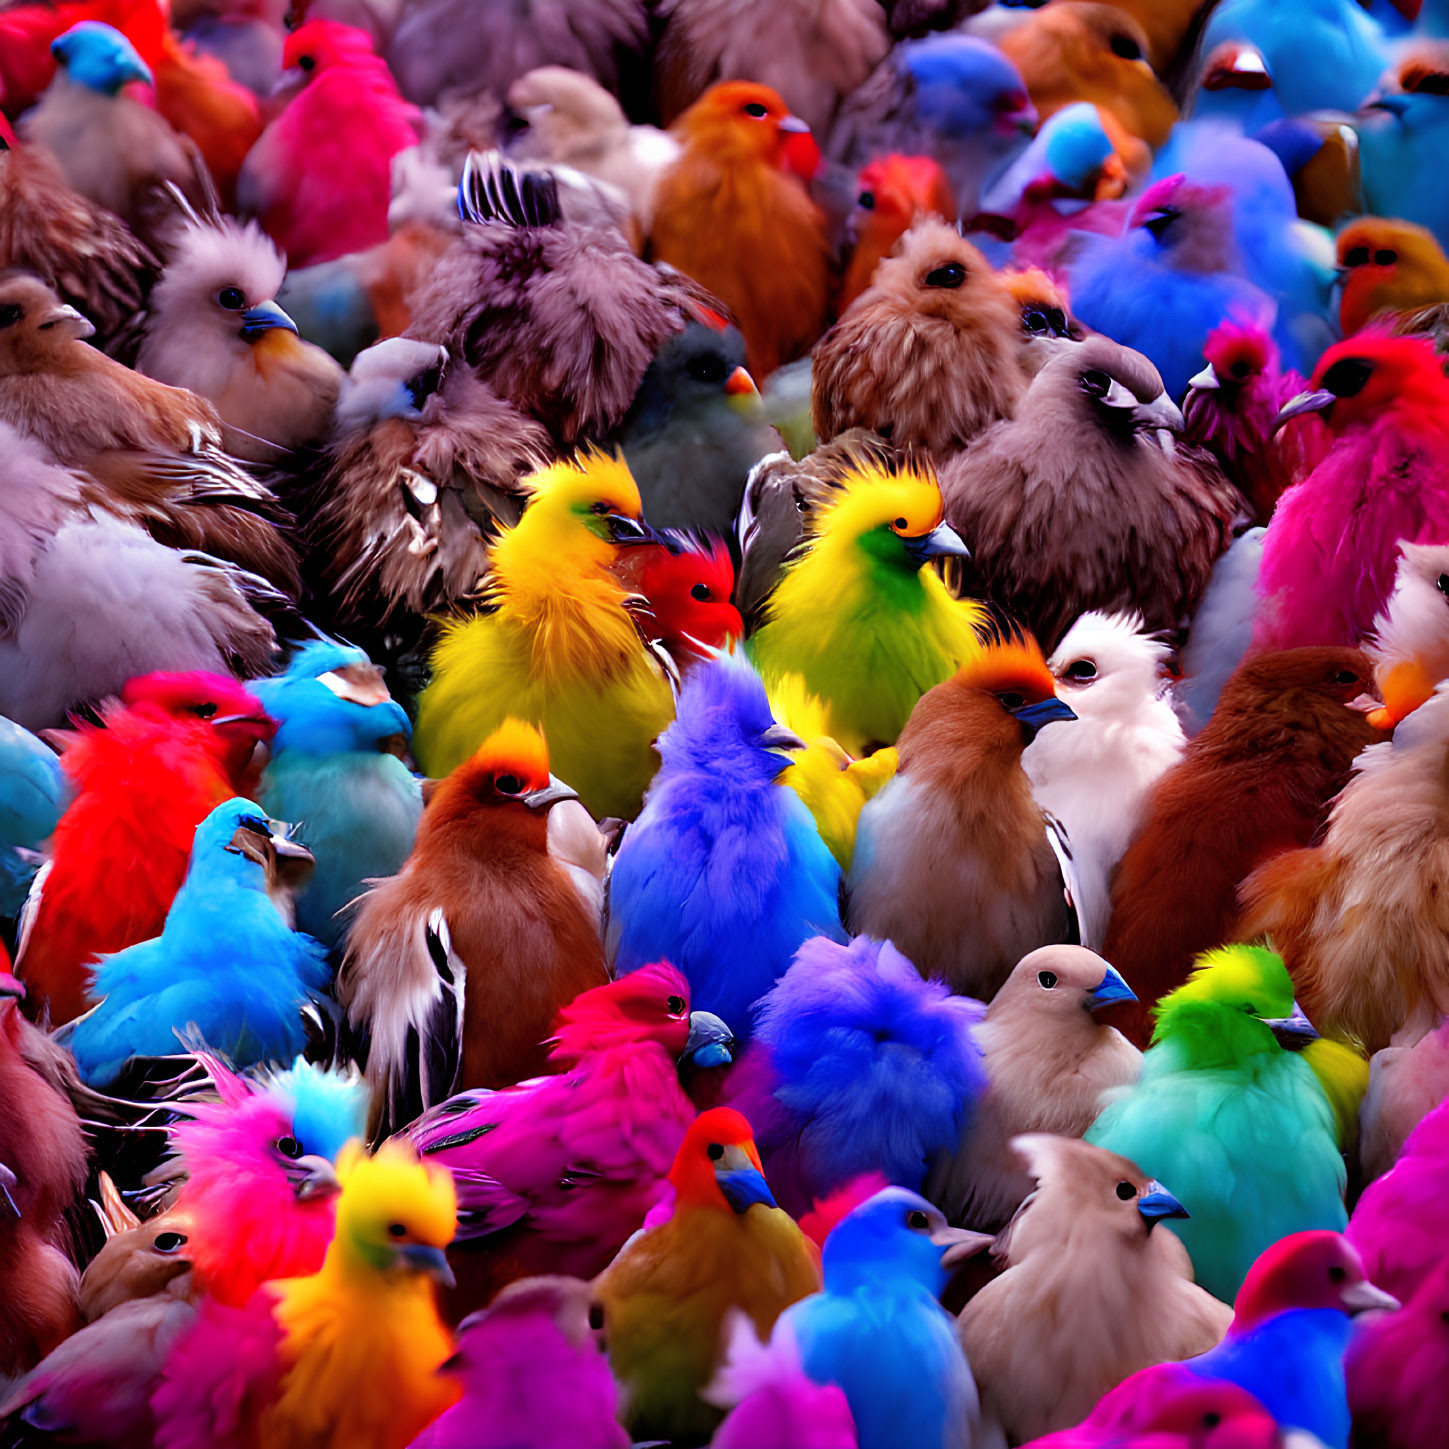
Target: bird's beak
{"points": [[138, 70], [794, 126], [7, 1181], [740, 384], [1157, 1203], [1305, 402], [742, 1183], [231, 719], [424, 1259], [1405, 687], [1245, 69], [1033, 717], [1293, 1032], [1162, 418], [625, 531], [263, 318], [1363, 1297], [1111, 988], [312, 1177], [549, 794], [959, 1244], [711, 1043], [1395, 105], [69, 321], [1206, 380], [777, 737], [941, 542]]}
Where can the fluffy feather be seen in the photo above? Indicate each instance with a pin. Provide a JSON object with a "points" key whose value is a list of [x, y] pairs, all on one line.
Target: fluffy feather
{"points": [[1406, 1083], [1410, 644]]}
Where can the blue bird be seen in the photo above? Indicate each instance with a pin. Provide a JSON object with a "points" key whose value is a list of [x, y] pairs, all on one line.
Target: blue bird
{"points": [[1403, 137], [724, 873], [335, 770], [33, 794], [863, 1067], [878, 1331], [99, 57], [226, 963]]}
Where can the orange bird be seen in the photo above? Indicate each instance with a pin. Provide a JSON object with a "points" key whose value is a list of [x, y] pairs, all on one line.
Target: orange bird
{"points": [[1389, 266], [733, 213], [893, 191]]}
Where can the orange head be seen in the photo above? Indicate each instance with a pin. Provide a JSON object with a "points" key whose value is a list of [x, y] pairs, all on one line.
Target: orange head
{"points": [[1388, 266], [1014, 672], [741, 121], [717, 1165], [892, 192], [1364, 378]]}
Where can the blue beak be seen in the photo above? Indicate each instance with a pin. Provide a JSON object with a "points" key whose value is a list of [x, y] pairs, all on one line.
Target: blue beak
{"points": [[1395, 105], [1293, 1032], [1157, 1203], [625, 531], [263, 318], [711, 1043], [432, 1261], [1033, 717], [743, 1188], [1111, 988], [941, 541]]}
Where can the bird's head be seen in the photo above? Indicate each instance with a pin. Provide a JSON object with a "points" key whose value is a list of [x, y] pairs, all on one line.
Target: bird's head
{"points": [[1372, 376], [517, 1314], [717, 1165], [1046, 312], [332, 699], [1317, 1269], [99, 57], [37, 329], [1388, 265], [1235, 65], [1415, 94], [239, 843], [1189, 223], [1411, 645], [319, 45], [589, 505], [394, 378], [965, 89], [742, 119], [1012, 674], [138, 1259], [1238, 354], [396, 1214], [688, 581], [1108, 667], [896, 1235], [507, 777], [1062, 982], [697, 377], [892, 191], [1109, 391], [557, 113], [934, 272], [236, 722], [1179, 1407]]}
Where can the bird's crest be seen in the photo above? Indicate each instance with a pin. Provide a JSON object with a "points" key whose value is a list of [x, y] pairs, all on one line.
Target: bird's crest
{"points": [[580, 482], [876, 492], [1009, 660], [650, 1004], [395, 1186], [514, 748], [1250, 978], [495, 192]]}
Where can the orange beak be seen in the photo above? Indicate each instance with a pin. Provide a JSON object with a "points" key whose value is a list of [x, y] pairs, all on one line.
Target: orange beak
{"points": [[1405, 687], [741, 384]]}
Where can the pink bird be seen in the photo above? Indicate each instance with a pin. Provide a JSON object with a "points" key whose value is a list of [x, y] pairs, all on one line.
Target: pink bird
{"points": [[1398, 1372], [554, 1174], [1398, 1224], [319, 178], [1330, 552]]}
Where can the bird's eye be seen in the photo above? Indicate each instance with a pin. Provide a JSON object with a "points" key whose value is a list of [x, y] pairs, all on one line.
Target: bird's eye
{"points": [[901, 524], [567, 1183], [1047, 978], [1034, 321], [1385, 258], [700, 592], [306, 62], [1250, 1008], [1126, 47], [1443, 584], [256, 824], [397, 1230], [11, 313], [917, 1220], [232, 298], [1095, 383], [1346, 676], [1239, 368], [755, 109], [1211, 1419], [168, 1242], [600, 508], [1010, 700], [596, 1317], [866, 201], [1356, 257], [507, 784], [715, 1151], [1081, 669], [950, 276], [1348, 377], [1057, 321], [1126, 1191], [709, 368], [203, 711], [676, 1006], [1338, 1273], [289, 1147]]}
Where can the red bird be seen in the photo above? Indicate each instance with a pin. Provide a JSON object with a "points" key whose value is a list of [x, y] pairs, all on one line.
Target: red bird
{"points": [[686, 583], [175, 747], [893, 191]]}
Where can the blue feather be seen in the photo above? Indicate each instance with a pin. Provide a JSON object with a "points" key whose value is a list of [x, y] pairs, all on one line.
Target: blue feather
{"points": [[33, 794], [329, 1107]]}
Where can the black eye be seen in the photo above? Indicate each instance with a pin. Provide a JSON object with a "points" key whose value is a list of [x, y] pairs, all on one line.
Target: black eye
{"points": [[1034, 321], [1239, 368], [715, 1151], [1443, 584], [601, 508], [203, 711], [755, 109], [676, 1006], [1081, 669], [596, 1317], [949, 276], [1347, 378], [1057, 321], [507, 784], [306, 62], [1346, 676], [397, 1230], [289, 1146], [1096, 384], [709, 368], [11, 313], [1429, 84], [232, 298], [700, 592], [1012, 701], [1126, 1191], [1338, 1273], [866, 201], [1356, 257], [917, 1220], [902, 523], [168, 1242], [1211, 1419], [256, 824], [1126, 47], [1047, 978], [1385, 258]]}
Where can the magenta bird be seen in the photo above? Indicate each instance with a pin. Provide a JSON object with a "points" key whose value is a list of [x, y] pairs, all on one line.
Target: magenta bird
{"points": [[554, 1174], [1398, 1224], [1332, 547]]}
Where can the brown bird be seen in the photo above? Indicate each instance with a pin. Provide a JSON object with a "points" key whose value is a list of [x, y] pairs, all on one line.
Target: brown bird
{"points": [[1256, 781], [1166, 23], [214, 326], [1360, 919], [952, 860], [153, 452], [560, 320], [1048, 1061], [1090, 1282], [1389, 266], [928, 354], [1079, 502], [812, 52], [733, 213], [425, 461], [457, 966]]}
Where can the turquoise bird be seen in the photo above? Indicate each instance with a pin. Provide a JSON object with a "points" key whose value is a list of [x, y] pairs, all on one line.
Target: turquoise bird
{"points": [[1230, 1113], [33, 794], [336, 771]]}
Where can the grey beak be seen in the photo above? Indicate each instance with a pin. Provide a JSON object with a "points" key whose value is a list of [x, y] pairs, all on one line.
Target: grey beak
{"points": [[1206, 380], [1293, 1032], [550, 794], [777, 737], [1305, 402]]}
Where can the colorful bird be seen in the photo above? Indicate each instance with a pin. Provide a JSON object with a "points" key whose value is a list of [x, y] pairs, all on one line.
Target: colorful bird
{"points": [[34, 793], [894, 191], [1390, 267], [686, 581], [560, 649]]}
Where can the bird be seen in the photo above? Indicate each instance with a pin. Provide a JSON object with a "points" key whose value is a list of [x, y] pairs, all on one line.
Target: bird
{"points": [[171, 750], [877, 1330], [560, 1171], [1390, 267], [1406, 1083], [33, 794], [1400, 132], [664, 1298], [213, 325], [733, 213], [1088, 1277], [1410, 643], [862, 1066], [335, 767], [561, 648], [1096, 777], [927, 355], [1045, 542], [1217, 1088], [724, 873], [686, 582], [1257, 780], [952, 864], [859, 615], [1049, 1061], [346, 1355], [318, 177], [1329, 553], [226, 962], [481, 920]]}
